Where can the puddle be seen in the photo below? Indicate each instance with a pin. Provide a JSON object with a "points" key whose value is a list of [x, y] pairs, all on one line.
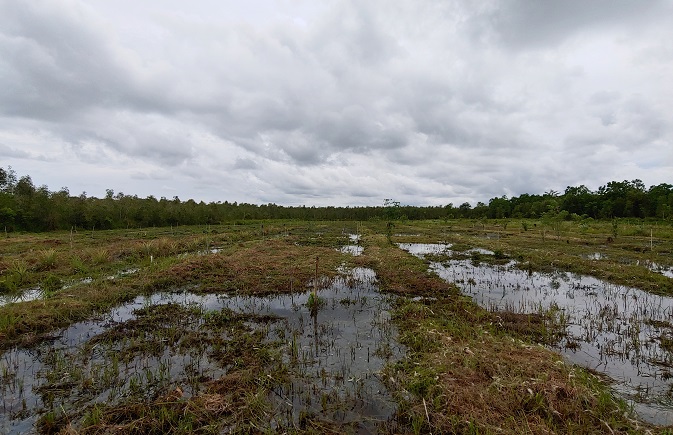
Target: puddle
{"points": [[36, 293], [667, 273], [658, 268], [354, 249], [123, 273], [340, 353], [481, 251], [87, 280], [207, 251], [653, 266], [420, 249], [30, 294], [623, 332], [596, 256], [333, 358]]}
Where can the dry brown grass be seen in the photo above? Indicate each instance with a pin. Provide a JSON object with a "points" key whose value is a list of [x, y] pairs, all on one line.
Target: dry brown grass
{"points": [[228, 402], [466, 372], [501, 385], [259, 267], [398, 273]]}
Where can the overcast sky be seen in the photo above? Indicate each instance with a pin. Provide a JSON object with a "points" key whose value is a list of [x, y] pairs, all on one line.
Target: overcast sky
{"points": [[336, 102]]}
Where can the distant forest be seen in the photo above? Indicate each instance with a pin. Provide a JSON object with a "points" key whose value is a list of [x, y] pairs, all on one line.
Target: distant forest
{"points": [[25, 207]]}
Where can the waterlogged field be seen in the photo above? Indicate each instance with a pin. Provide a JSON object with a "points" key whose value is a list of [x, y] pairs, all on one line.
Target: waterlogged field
{"points": [[339, 327]]}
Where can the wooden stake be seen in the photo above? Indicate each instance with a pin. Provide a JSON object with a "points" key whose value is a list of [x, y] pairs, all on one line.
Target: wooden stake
{"points": [[315, 281]]}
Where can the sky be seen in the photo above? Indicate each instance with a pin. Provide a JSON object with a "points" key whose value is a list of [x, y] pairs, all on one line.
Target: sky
{"points": [[335, 102]]}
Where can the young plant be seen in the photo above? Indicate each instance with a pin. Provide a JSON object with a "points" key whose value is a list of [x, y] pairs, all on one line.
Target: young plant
{"points": [[47, 259], [19, 270], [314, 303], [51, 284], [78, 265], [100, 256]]}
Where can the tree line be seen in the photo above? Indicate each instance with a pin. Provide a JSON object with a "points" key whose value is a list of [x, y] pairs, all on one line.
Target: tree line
{"points": [[26, 207]]}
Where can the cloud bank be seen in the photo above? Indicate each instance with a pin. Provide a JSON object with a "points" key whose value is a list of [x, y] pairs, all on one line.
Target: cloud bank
{"points": [[336, 103]]}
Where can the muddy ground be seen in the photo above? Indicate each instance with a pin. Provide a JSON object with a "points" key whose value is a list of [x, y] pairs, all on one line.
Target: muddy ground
{"points": [[342, 327]]}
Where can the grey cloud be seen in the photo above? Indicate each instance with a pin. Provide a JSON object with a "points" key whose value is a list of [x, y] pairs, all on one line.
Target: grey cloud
{"points": [[364, 100], [6, 151], [151, 138], [352, 32], [245, 163], [608, 119], [364, 193], [58, 64], [153, 175], [623, 124], [545, 23], [308, 131], [604, 97]]}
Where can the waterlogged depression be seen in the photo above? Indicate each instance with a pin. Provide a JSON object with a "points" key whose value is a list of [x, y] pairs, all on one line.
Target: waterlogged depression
{"points": [[651, 265], [623, 332], [36, 293], [354, 248], [332, 357]]}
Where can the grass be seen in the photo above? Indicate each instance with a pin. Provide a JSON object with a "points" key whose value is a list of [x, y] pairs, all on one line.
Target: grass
{"points": [[466, 370], [567, 249], [465, 373]]}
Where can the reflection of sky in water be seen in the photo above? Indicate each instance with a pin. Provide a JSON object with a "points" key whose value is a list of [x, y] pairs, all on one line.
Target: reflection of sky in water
{"points": [[36, 293], [30, 294], [479, 251], [343, 339], [353, 249], [426, 248], [596, 256], [658, 268], [607, 320]]}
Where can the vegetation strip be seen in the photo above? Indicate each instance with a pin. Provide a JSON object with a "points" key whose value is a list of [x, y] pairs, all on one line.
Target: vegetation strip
{"points": [[26, 207]]}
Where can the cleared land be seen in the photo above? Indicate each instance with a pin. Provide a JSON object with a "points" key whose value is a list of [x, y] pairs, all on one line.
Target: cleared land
{"points": [[276, 327]]}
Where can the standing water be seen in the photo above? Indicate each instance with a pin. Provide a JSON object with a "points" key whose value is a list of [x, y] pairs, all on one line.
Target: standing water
{"points": [[333, 356], [623, 332]]}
